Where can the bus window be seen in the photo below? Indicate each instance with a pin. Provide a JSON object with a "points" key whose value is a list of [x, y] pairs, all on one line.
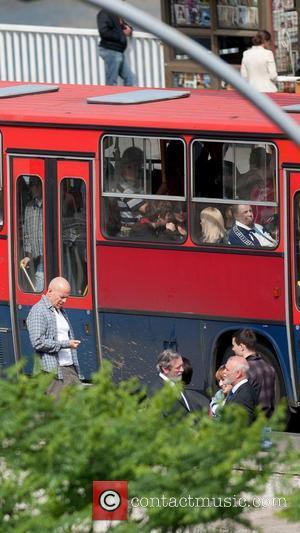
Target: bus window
{"points": [[73, 234], [30, 244], [143, 189], [234, 194]]}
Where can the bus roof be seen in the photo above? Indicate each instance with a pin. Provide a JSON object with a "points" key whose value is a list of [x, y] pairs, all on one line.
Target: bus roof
{"points": [[203, 110]]}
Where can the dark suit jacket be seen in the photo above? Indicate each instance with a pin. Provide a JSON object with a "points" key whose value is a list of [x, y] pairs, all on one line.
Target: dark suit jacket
{"points": [[246, 396], [158, 384], [196, 399]]}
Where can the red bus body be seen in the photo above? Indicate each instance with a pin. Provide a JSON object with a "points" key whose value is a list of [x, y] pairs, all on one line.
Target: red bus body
{"points": [[135, 296]]}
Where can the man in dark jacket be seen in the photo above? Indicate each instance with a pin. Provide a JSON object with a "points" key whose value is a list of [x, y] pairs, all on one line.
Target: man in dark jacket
{"points": [[261, 373], [113, 32], [242, 393]]}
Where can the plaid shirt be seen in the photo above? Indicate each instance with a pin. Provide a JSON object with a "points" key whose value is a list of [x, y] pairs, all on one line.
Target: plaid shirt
{"points": [[41, 323], [33, 229], [262, 378]]}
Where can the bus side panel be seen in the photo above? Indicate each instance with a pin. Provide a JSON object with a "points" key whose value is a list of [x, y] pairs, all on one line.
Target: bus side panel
{"points": [[132, 343], [7, 357], [230, 285]]}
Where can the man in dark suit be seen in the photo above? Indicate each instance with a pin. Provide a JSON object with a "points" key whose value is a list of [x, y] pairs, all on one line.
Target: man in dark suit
{"points": [[261, 374], [242, 393], [196, 399], [170, 368]]}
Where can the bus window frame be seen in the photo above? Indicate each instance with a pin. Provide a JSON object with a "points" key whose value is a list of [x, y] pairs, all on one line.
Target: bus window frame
{"points": [[60, 237], [163, 197], [227, 201], [20, 289]]}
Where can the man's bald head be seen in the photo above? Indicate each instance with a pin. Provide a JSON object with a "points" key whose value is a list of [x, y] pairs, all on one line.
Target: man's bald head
{"points": [[59, 283], [58, 292]]}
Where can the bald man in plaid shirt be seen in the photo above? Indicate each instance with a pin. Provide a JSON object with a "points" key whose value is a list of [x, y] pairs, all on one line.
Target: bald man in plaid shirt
{"points": [[261, 374], [52, 336]]}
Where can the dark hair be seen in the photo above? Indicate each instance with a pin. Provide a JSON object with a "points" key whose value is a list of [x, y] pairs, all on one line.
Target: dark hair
{"points": [[261, 37], [259, 157], [246, 337], [187, 373]]}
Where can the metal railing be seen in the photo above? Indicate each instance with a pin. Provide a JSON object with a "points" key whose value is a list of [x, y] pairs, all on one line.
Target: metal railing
{"points": [[70, 55]]}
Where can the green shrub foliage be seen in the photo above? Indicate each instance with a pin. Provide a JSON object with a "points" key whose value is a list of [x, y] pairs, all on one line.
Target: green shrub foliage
{"points": [[51, 451]]}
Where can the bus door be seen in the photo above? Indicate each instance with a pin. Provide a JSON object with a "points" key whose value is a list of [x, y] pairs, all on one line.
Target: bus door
{"points": [[52, 235], [292, 254]]}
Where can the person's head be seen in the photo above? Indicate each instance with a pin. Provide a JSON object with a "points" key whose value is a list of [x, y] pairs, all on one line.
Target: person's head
{"points": [[187, 373], [212, 224], [262, 38], [159, 211], [236, 369], [179, 211], [58, 292], [35, 186], [131, 163], [243, 213], [244, 342], [259, 158], [221, 379], [170, 364]]}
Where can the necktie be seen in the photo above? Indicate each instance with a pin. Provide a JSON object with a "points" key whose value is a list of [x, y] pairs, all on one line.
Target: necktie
{"points": [[229, 396]]}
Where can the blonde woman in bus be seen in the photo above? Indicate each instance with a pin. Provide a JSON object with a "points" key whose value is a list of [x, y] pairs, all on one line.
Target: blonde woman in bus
{"points": [[212, 226]]}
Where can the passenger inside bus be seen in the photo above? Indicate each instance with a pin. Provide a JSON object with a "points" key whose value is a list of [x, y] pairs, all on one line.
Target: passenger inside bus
{"points": [[245, 232], [163, 221], [208, 159], [173, 182], [33, 242], [131, 181], [257, 184], [73, 235], [212, 226]]}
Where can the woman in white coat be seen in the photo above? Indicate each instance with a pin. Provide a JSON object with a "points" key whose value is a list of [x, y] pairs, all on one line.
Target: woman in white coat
{"points": [[258, 64]]}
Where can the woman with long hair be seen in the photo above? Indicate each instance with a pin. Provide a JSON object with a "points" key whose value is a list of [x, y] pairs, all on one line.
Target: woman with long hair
{"points": [[212, 226]]}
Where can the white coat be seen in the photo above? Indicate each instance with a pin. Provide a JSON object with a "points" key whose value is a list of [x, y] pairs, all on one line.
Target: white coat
{"points": [[258, 67]]}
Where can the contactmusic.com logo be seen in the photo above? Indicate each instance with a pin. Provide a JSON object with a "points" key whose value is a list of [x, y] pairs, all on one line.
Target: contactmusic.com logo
{"points": [[110, 500]]}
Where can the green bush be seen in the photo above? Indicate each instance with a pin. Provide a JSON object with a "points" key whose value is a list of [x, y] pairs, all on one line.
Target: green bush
{"points": [[51, 451]]}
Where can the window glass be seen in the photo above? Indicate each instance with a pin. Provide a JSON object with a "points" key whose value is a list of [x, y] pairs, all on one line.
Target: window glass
{"points": [[30, 244], [238, 14], [191, 13], [234, 194], [73, 234], [143, 183]]}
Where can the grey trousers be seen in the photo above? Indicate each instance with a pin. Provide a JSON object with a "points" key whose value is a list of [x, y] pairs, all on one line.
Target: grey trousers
{"points": [[70, 377]]}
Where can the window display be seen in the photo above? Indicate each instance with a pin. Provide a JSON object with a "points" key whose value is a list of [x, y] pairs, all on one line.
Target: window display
{"points": [[238, 14], [192, 80], [191, 13]]}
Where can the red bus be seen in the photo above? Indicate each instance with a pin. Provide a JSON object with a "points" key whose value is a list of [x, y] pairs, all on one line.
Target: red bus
{"points": [[175, 220]]}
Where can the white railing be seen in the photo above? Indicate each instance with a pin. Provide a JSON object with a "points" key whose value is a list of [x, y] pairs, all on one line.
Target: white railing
{"points": [[70, 55]]}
